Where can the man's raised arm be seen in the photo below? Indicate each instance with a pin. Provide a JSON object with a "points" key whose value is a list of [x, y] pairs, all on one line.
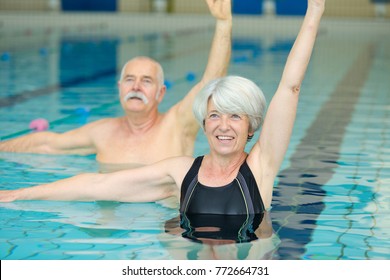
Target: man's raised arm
{"points": [[219, 56]]}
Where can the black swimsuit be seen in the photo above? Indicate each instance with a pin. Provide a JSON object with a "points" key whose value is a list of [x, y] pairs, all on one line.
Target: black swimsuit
{"points": [[232, 212], [240, 197]]}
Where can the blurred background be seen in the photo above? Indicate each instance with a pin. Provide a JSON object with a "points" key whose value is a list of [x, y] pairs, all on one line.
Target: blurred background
{"points": [[49, 45], [60, 60], [343, 8]]}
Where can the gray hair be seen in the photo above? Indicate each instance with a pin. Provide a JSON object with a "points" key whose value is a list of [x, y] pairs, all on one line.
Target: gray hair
{"points": [[160, 71], [232, 95]]}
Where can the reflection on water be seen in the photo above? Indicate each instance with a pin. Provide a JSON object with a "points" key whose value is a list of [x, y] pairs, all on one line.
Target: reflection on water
{"points": [[107, 230], [207, 229], [220, 237]]}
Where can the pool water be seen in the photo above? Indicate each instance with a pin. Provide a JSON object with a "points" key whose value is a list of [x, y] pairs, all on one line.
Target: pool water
{"points": [[331, 198]]}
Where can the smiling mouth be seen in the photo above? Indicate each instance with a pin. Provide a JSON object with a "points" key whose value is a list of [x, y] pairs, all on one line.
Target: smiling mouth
{"points": [[224, 137]]}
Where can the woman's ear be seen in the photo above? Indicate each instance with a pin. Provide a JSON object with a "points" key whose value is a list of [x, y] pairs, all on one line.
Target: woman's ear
{"points": [[250, 136]]}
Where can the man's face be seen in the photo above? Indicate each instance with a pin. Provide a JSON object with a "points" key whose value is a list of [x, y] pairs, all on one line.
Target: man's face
{"points": [[139, 88]]}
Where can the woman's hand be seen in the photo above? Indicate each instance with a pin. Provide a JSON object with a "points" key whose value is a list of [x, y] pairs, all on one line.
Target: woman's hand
{"points": [[8, 196], [316, 5]]}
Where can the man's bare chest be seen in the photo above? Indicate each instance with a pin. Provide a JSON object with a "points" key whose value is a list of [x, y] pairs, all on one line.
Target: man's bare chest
{"points": [[144, 148]]}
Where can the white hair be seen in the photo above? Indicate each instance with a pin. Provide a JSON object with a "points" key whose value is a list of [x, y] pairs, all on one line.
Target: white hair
{"points": [[232, 95], [160, 71]]}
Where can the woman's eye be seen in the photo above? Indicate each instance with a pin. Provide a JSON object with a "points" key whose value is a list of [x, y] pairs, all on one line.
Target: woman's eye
{"points": [[236, 117], [213, 116]]}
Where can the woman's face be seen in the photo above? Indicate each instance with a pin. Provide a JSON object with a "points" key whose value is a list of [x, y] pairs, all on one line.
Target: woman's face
{"points": [[226, 133]]}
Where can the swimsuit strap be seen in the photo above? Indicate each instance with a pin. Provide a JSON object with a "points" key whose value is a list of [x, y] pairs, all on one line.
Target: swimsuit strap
{"points": [[245, 177], [245, 193], [187, 188]]}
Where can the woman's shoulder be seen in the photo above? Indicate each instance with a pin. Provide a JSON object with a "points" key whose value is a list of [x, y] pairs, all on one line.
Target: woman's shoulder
{"points": [[177, 167], [180, 160]]}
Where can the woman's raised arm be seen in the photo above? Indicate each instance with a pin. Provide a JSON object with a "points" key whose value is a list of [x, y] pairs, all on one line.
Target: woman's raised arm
{"points": [[280, 117]]}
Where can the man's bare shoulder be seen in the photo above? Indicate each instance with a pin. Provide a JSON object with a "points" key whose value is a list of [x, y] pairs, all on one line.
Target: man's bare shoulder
{"points": [[97, 129], [104, 123]]}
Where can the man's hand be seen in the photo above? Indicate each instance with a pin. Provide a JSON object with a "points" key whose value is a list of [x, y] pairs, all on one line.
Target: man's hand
{"points": [[220, 9]]}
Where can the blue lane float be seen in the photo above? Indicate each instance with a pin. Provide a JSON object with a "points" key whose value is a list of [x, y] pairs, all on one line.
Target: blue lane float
{"points": [[5, 56], [43, 51], [83, 114], [240, 59], [191, 76], [168, 84], [82, 111]]}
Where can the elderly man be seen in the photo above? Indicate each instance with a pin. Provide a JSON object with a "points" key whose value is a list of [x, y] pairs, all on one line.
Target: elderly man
{"points": [[143, 135]]}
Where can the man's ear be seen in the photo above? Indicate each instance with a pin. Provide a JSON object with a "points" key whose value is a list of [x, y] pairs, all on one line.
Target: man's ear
{"points": [[161, 93]]}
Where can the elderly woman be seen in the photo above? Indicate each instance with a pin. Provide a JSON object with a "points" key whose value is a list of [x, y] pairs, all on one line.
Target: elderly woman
{"points": [[227, 180]]}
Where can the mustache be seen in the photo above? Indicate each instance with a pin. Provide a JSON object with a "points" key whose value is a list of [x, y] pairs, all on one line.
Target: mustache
{"points": [[136, 94]]}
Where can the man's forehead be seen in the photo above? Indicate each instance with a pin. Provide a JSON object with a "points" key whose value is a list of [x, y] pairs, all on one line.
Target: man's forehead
{"points": [[141, 69], [144, 62]]}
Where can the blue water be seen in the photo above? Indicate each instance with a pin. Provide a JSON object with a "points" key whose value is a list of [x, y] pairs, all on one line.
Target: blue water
{"points": [[331, 198]]}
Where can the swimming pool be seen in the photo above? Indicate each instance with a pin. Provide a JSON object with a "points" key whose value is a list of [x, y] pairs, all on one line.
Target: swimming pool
{"points": [[331, 198]]}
